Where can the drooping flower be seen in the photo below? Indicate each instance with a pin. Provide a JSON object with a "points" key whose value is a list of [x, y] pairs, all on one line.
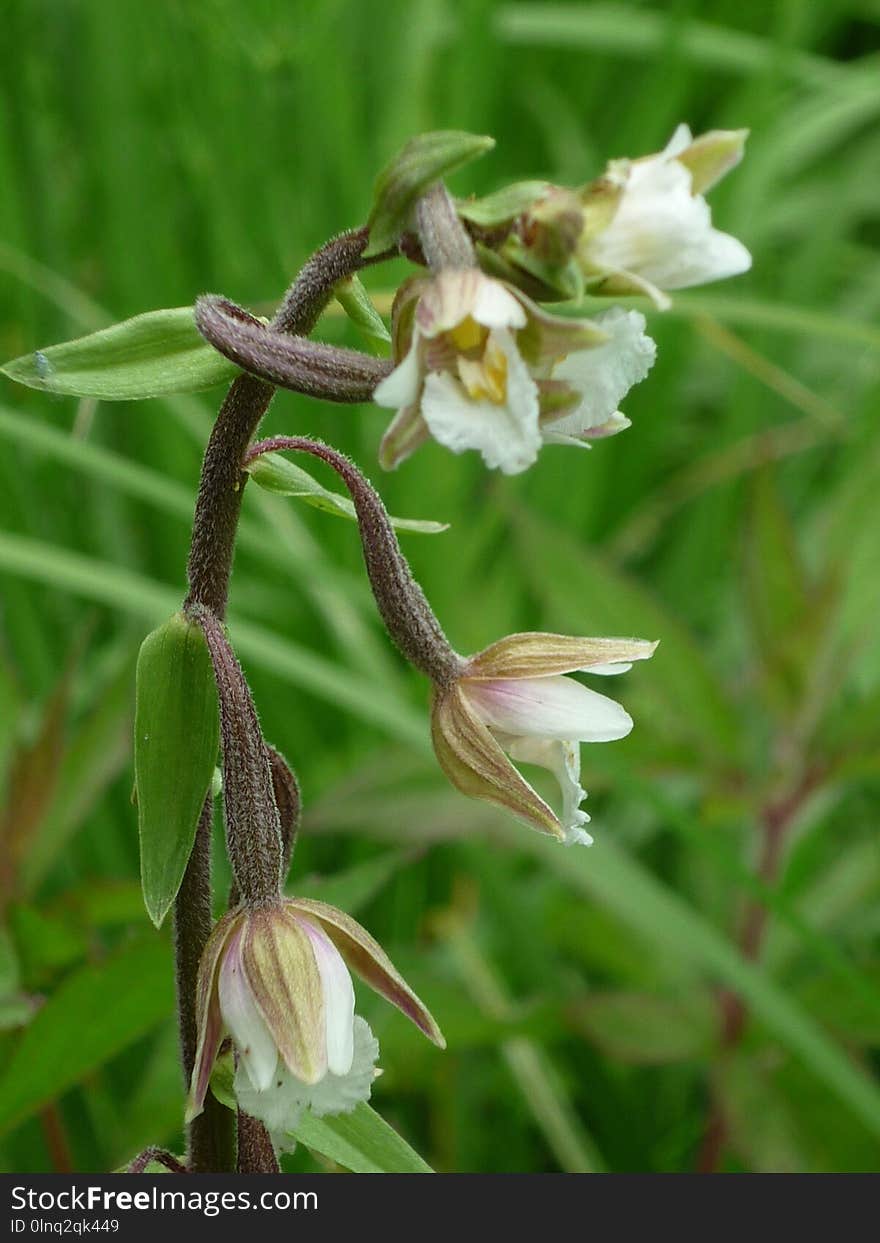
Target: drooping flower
{"points": [[513, 702], [480, 366], [654, 231], [275, 979]]}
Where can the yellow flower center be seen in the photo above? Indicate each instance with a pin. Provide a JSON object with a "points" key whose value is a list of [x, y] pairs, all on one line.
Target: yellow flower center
{"points": [[485, 379], [468, 335]]}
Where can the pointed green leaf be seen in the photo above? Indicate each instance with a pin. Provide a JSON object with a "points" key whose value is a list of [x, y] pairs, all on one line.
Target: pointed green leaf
{"points": [[422, 161], [362, 1141], [276, 474], [356, 303], [176, 736], [152, 355]]}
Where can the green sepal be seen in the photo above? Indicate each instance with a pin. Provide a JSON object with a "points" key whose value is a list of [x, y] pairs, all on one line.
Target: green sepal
{"points": [[152, 355], [422, 161], [503, 205], [356, 303], [176, 736]]}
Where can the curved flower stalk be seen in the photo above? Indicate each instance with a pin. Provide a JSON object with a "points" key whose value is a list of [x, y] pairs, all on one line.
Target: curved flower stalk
{"points": [[511, 701], [654, 229], [480, 366], [276, 979]]}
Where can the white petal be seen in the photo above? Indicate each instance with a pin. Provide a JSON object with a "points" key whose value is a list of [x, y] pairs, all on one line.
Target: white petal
{"points": [[552, 707], [610, 670], [563, 759], [256, 1049], [338, 998], [507, 433], [680, 141], [281, 1107], [604, 375], [496, 307], [401, 388]]}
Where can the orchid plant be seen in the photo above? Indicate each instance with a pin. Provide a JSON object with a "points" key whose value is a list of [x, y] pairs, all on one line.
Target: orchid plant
{"points": [[268, 1029]]}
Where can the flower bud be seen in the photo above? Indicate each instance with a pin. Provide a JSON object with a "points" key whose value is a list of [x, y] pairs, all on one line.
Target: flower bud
{"points": [[275, 979], [511, 700]]}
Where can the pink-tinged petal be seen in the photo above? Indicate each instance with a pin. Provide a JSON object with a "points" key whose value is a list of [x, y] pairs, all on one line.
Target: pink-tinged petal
{"points": [[475, 763], [404, 434], [366, 957], [253, 1040], [338, 998], [534, 654], [285, 982], [209, 1021], [552, 707]]}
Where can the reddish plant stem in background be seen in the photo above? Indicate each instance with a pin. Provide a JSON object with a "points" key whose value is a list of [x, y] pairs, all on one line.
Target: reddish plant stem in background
{"points": [[776, 818], [56, 1139], [218, 505]]}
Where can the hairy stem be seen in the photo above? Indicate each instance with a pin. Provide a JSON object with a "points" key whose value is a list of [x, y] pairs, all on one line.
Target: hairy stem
{"points": [[405, 611], [209, 568]]}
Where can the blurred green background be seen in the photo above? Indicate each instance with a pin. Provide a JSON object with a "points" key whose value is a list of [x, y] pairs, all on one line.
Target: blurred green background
{"points": [[150, 152]]}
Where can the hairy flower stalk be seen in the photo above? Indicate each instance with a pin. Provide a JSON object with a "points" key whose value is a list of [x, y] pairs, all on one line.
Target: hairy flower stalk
{"points": [[508, 702], [273, 974], [210, 1141]]}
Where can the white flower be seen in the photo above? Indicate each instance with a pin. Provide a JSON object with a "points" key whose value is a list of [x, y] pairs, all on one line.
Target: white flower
{"points": [[275, 978], [482, 367], [660, 236], [513, 698]]}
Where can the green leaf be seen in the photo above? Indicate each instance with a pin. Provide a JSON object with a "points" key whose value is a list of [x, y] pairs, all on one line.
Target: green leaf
{"points": [[176, 736], [362, 1141], [276, 474], [504, 204], [356, 303], [152, 355], [130, 993], [422, 161]]}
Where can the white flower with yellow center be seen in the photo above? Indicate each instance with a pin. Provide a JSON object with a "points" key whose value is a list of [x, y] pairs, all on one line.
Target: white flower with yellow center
{"points": [[482, 367]]}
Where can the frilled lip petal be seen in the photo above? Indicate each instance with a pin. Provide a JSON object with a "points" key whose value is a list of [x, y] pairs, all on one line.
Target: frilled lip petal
{"points": [[548, 707], [367, 959], [534, 654], [475, 763], [283, 974], [209, 1021], [506, 433]]}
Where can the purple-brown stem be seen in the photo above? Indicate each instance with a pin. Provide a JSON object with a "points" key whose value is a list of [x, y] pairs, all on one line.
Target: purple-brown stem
{"points": [[776, 818], [211, 1140]]}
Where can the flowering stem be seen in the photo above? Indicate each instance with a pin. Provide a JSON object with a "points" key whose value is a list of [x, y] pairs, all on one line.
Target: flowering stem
{"points": [[407, 615], [208, 570]]}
